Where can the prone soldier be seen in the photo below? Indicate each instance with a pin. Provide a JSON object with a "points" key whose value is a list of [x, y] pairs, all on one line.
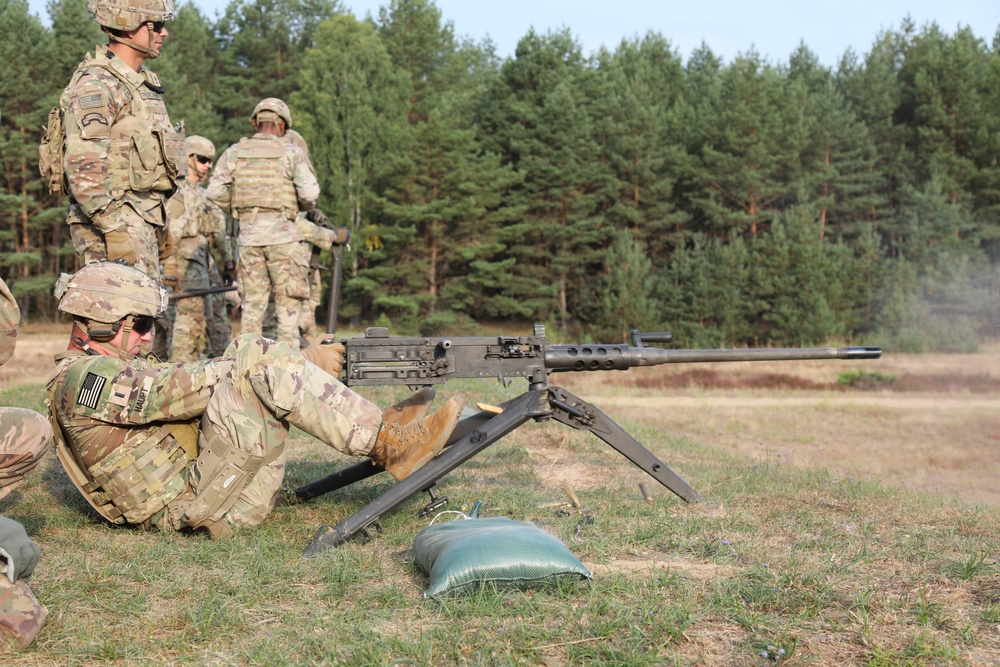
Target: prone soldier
{"points": [[110, 143], [201, 444], [24, 437]]}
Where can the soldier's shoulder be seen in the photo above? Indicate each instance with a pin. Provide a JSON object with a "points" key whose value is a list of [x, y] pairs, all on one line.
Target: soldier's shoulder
{"points": [[99, 365]]}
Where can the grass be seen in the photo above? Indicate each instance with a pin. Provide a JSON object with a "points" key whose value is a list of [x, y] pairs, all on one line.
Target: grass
{"points": [[780, 566]]}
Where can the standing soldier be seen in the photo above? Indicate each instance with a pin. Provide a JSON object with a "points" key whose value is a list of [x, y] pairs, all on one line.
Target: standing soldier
{"points": [[196, 225], [201, 444], [110, 144], [264, 182], [24, 438]]}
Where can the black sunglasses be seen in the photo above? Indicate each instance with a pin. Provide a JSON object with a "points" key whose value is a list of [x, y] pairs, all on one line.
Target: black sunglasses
{"points": [[142, 325], [158, 26], [203, 159]]}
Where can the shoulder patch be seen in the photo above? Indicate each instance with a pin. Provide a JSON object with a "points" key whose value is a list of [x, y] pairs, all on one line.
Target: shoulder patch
{"points": [[95, 101], [90, 392]]}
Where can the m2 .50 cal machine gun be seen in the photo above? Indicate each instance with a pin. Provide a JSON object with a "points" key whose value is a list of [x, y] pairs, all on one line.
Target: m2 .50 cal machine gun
{"points": [[379, 359]]}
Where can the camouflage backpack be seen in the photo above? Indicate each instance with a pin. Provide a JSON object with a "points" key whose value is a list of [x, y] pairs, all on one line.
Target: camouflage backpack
{"points": [[50, 152]]}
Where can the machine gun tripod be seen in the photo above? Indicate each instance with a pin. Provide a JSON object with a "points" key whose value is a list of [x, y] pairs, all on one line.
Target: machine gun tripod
{"points": [[378, 359]]}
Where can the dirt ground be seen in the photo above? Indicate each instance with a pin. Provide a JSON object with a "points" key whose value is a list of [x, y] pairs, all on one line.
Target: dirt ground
{"points": [[939, 430]]}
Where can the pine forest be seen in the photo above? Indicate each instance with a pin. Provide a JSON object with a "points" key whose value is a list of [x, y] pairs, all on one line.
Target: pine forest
{"points": [[734, 203]]}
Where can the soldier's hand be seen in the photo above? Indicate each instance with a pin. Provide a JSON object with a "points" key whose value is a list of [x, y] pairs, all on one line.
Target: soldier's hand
{"points": [[328, 356], [318, 217], [164, 243], [18, 554], [343, 236], [229, 272], [119, 246]]}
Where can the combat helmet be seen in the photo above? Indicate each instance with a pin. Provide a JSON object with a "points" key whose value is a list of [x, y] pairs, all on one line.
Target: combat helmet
{"points": [[104, 294], [127, 15], [271, 109], [195, 145]]}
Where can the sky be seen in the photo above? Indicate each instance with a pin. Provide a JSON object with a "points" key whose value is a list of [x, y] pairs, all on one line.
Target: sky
{"points": [[729, 27]]}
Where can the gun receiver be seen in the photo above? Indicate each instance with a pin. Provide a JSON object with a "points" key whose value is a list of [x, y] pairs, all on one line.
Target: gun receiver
{"points": [[379, 359]]}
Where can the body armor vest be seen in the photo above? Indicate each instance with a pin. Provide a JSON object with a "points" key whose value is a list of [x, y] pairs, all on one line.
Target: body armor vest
{"points": [[259, 179], [130, 483]]}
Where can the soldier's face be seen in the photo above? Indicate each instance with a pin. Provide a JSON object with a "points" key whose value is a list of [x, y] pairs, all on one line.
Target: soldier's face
{"points": [[143, 37], [198, 167], [135, 341]]}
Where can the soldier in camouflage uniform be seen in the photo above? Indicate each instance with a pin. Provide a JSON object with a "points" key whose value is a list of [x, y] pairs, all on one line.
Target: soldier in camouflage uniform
{"points": [[118, 155], [197, 226], [201, 444], [24, 437], [264, 182]]}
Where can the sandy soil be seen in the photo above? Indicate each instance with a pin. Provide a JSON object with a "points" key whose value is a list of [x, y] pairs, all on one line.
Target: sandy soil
{"points": [[944, 441]]}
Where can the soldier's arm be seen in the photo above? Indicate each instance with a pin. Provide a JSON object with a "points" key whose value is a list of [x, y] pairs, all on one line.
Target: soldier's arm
{"points": [[135, 394], [10, 315], [95, 182], [304, 177], [220, 186], [217, 232]]}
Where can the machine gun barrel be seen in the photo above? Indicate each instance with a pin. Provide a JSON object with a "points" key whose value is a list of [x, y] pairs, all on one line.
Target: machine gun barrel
{"points": [[622, 357]]}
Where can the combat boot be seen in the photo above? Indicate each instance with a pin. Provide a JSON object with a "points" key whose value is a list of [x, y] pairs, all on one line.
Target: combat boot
{"points": [[413, 408], [402, 448]]}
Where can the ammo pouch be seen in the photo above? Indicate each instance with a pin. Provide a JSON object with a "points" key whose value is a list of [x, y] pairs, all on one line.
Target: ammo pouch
{"points": [[223, 471]]}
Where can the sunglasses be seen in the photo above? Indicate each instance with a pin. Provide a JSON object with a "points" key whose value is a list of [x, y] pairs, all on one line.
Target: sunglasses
{"points": [[203, 159], [158, 26], [142, 325]]}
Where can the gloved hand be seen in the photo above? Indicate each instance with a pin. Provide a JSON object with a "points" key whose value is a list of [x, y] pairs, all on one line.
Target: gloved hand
{"points": [[343, 236], [164, 243], [318, 217], [119, 246], [17, 549], [229, 272], [328, 356]]}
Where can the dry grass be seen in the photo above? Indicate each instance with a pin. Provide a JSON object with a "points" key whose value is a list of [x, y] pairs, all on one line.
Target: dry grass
{"points": [[817, 538]]}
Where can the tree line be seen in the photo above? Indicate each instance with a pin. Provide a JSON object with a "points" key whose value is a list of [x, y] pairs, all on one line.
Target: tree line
{"points": [[735, 203]]}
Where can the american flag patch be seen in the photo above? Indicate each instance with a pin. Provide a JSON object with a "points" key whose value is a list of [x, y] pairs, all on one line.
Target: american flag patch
{"points": [[94, 101], [90, 393]]}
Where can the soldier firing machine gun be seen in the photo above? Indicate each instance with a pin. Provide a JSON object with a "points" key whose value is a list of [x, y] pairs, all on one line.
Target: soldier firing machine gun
{"points": [[378, 359]]}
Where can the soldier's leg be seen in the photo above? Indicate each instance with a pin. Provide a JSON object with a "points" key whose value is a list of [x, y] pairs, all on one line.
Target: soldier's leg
{"points": [[269, 387], [288, 266], [307, 318], [88, 242], [219, 331], [189, 324], [24, 437], [255, 288], [21, 616]]}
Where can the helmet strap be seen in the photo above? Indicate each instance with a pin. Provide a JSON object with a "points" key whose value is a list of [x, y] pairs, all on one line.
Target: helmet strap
{"points": [[146, 51], [126, 331]]}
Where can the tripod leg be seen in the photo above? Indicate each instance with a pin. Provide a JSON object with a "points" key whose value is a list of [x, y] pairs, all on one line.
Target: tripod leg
{"points": [[522, 409], [584, 416]]}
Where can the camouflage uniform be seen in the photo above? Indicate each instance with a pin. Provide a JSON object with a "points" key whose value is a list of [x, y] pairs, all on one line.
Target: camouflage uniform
{"points": [[264, 182], [322, 238], [121, 158], [220, 333], [24, 436], [196, 225], [114, 413]]}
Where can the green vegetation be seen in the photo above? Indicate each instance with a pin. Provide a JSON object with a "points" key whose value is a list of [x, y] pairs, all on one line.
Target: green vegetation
{"points": [[803, 566], [865, 380], [740, 203]]}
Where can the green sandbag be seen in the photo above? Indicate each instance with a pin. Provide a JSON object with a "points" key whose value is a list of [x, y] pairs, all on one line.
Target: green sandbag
{"points": [[462, 555]]}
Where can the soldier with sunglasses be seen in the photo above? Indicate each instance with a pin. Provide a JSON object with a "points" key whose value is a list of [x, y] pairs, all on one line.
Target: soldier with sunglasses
{"points": [[201, 444], [198, 228], [110, 144]]}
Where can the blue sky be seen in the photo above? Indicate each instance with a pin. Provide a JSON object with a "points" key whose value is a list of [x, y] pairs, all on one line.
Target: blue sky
{"points": [[729, 27]]}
